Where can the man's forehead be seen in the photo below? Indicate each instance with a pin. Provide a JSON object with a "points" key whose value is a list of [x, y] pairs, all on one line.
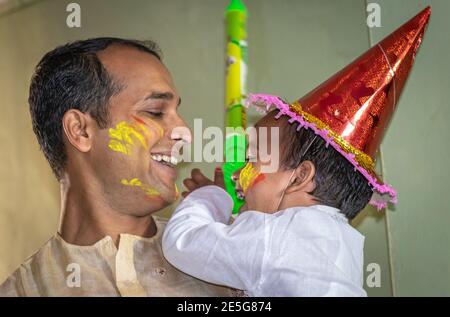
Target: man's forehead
{"points": [[128, 63]]}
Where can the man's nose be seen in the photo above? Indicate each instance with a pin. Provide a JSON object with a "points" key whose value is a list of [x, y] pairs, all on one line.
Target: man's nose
{"points": [[180, 131]]}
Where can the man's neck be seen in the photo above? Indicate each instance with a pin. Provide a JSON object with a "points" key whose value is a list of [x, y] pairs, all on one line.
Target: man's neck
{"points": [[86, 218]]}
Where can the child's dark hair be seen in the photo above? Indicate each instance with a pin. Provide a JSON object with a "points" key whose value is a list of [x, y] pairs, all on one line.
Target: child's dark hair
{"points": [[337, 183]]}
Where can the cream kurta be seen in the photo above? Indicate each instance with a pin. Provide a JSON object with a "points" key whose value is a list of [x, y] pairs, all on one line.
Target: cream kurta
{"points": [[136, 268]]}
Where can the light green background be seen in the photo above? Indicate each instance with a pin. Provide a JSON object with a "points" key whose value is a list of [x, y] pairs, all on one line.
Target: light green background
{"points": [[293, 46]]}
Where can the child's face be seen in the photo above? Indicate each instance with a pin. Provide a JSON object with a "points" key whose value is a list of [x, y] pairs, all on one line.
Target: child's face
{"points": [[263, 190]]}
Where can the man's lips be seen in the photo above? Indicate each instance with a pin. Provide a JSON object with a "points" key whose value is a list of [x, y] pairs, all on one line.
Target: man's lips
{"points": [[165, 159], [165, 163]]}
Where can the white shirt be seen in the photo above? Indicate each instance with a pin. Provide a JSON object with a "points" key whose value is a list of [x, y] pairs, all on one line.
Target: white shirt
{"points": [[300, 251]]}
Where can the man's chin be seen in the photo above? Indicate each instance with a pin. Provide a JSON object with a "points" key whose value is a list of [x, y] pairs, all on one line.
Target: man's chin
{"points": [[169, 195], [151, 205], [163, 171], [165, 187]]}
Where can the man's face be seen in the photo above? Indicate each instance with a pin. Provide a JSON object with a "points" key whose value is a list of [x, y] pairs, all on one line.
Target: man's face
{"points": [[132, 156]]}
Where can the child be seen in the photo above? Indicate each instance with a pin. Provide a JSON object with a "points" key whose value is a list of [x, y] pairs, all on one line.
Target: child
{"points": [[293, 237]]}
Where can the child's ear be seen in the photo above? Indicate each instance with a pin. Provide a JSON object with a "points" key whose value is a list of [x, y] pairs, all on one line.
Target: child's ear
{"points": [[303, 178]]}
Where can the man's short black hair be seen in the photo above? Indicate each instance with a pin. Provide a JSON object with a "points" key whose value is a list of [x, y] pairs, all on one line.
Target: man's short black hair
{"points": [[337, 183], [72, 77]]}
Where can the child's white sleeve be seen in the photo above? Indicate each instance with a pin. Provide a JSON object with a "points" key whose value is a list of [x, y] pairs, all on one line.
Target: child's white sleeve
{"points": [[198, 240]]}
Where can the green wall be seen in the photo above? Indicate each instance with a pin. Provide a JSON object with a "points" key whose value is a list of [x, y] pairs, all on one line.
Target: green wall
{"points": [[416, 157], [293, 46]]}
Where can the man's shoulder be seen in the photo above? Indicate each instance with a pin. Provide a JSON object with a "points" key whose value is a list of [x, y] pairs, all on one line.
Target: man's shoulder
{"points": [[13, 285]]}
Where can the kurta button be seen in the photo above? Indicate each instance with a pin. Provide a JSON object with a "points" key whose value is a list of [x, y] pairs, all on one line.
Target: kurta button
{"points": [[161, 271]]}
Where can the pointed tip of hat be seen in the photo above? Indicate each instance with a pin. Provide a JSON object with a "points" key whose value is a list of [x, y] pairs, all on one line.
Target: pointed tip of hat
{"points": [[424, 15], [426, 11], [420, 21], [411, 31], [358, 102]]}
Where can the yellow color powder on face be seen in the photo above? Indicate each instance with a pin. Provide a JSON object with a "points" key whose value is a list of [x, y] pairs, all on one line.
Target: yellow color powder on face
{"points": [[247, 176], [149, 191], [177, 192], [158, 127], [122, 137], [154, 125]]}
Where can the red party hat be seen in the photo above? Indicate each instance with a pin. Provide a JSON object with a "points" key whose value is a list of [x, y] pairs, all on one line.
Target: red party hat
{"points": [[353, 108]]}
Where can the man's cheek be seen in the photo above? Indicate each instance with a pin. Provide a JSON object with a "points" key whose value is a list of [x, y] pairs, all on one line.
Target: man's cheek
{"points": [[124, 137], [152, 142], [131, 142], [153, 131]]}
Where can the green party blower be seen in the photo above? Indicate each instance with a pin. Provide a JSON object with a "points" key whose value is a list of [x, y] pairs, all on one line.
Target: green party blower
{"points": [[235, 83]]}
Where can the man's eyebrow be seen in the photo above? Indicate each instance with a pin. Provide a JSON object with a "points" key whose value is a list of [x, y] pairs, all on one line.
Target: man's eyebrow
{"points": [[163, 96]]}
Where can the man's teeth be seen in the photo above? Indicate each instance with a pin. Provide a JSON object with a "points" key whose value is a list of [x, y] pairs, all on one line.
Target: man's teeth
{"points": [[164, 158]]}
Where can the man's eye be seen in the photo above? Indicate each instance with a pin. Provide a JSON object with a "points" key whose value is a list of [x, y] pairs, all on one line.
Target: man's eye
{"points": [[155, 114]]}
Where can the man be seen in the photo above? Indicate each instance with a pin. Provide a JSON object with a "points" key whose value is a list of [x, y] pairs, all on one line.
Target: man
{"points": [[104, 112]]}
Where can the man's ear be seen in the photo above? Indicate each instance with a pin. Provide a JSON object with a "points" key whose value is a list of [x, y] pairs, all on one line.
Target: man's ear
{"points": [[302, 178], [78, 128]]}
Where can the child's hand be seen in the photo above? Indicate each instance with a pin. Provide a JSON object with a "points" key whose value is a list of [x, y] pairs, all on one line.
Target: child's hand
{"points": [[198, 180]]}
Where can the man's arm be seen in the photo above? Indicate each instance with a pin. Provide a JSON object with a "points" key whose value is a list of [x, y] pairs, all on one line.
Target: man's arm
{"points": [[199, 241]]}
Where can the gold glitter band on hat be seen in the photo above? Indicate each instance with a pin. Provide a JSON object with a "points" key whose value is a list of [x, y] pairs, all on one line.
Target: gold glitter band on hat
{"points": [[362, 158]]}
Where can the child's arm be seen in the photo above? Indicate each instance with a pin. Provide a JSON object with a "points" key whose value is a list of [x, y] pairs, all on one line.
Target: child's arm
{"points": [[199, 241]]}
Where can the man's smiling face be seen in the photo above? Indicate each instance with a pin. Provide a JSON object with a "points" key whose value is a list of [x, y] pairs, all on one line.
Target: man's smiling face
{"points": [[132, 156]]}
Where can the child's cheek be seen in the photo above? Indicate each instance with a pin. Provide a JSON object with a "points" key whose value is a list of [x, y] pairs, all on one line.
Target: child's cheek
{"points": [[261, 177], [256, 192], [247, 177], [256, 189]]}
